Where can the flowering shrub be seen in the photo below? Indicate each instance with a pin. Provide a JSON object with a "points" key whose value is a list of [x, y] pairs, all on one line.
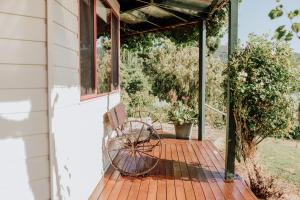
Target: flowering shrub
{"points": [[261, 79]]}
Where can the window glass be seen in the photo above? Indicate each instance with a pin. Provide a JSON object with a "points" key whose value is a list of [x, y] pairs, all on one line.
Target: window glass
{"points": [[115, 52], [103, 44], [87, 72], [99, 48]]}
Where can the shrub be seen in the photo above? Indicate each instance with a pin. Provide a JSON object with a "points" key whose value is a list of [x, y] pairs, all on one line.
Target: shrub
{"points": [[136, 89], [173, 71], [263, 187], [261, 81], [214, 91], [294, 133]]}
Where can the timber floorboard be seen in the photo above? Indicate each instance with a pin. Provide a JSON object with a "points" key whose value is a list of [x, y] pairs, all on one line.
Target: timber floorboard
{"points": [[188, 169]]}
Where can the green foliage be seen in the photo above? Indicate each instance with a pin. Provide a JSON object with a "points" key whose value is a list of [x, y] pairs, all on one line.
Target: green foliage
{"points": [[276, 12], [151, 63], [103, 72], [173, 72], [181, 113], [293, 14], [296, 27], [283, 32], [216, 27], [294, 133], [133, 78], [261, 79], [214, 90], [136, 89]]}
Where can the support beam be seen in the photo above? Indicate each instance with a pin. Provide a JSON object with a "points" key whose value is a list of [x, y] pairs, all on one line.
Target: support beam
{"points": [[201, 105], [231, 126]]}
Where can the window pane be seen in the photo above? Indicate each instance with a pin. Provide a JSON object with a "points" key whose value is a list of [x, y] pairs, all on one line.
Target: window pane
{"points": [[87, 73], [103, 48], [115, 52]]}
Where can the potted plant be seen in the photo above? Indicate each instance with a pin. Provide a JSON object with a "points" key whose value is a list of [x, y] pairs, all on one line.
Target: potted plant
{"points": [[183, 118]]}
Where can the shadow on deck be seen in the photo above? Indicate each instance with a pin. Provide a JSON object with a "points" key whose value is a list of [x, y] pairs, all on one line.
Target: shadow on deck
{"points": [[188, 169]]}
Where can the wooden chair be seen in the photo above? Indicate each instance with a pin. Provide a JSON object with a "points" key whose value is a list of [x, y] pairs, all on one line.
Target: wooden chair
{"points": [[134, 146]]}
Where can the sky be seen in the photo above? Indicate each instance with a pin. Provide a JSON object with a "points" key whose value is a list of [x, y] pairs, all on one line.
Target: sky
{"points": [[253, 18]]}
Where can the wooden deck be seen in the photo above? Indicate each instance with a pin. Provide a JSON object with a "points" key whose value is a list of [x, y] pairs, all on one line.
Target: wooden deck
{"points": [[188, 170]]}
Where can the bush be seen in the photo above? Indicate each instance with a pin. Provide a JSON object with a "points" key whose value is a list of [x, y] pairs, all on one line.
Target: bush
{"points": [[214, 91], [294, 133], [263, 187], [162, 67], [261, 81], [173, 71], [136, 89]]}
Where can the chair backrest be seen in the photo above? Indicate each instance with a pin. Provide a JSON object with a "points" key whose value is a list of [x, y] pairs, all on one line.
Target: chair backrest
{"points": [[117, 116]]}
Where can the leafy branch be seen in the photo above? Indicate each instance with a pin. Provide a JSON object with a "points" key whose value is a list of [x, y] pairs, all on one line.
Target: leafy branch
{"points": [[284, 32]]}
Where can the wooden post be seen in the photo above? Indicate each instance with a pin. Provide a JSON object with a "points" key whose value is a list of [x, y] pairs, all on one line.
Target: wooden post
{"points": [[201, 104], [231, 126]]}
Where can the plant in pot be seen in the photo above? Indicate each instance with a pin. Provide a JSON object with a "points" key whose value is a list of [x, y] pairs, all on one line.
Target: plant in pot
{"points": [[173, 75], [183, 118]]}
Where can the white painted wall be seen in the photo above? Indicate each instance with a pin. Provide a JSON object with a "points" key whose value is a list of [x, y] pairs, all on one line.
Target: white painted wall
{"points": [[40, 107], [24, 151], [76, 128]]}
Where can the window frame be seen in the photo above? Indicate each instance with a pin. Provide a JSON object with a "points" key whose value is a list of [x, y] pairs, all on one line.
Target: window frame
{"points": [[93, 95]]}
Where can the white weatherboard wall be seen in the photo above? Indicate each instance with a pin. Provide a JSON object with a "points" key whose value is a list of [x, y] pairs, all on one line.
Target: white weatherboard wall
{"points": [[24, 150], [76, 127]]}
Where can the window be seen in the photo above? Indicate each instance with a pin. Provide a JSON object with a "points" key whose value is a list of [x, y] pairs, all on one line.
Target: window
{"points": [[99, 48], [103, 44], [87, 72], [115, 51]]}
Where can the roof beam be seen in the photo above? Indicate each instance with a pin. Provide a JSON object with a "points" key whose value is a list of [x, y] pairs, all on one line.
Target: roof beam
{"points": [[168, 4], [133, 5], [161, 28], [146, 20], [174, 14], [172, 9]]}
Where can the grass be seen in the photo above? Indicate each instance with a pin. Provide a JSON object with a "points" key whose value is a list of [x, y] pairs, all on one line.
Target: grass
{"points": [[281, 158]]}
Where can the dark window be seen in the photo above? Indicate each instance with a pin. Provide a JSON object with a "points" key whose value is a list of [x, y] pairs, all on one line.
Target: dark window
{"points": [[103, 44], [115, 52], [87, 71], [99, 48]]}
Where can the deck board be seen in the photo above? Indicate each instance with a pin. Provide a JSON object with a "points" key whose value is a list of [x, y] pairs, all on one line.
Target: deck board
{"points": [[188, 169]]}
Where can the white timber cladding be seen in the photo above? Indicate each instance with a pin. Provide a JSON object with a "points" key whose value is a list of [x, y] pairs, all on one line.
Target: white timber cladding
{"points": [[77, 128], [24, 138]]}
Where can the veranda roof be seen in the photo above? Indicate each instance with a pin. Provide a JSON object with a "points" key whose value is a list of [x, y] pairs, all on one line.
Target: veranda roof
{"points": [[139, 16]]}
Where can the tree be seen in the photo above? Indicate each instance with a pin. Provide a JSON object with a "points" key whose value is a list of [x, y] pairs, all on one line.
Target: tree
{"points": [[173, 71], [136, 89], [283, 31], [262, 79]]}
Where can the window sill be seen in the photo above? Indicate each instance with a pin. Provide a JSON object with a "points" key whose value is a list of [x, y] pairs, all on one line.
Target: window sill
{"points": [[96, 96]]}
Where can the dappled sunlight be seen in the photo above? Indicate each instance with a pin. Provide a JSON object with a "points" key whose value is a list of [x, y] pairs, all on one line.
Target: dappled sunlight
{"points": [[21, 106], [14, 171]]}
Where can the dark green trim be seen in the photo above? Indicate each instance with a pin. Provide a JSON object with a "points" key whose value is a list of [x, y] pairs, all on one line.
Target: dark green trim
{"points": [[201, 105], [231, 126]]}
